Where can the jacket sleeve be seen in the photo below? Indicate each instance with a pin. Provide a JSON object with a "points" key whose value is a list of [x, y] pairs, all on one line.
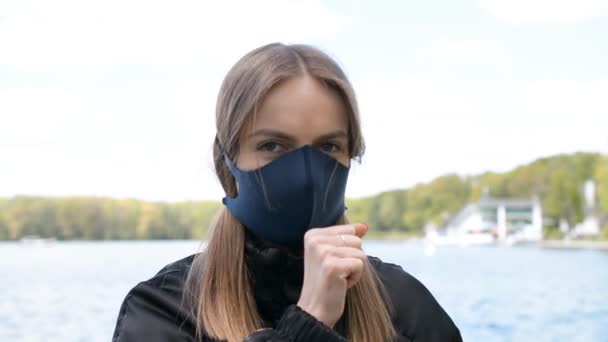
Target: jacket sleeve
{"points": [[416, 314], [296, 325], [149, 314]]}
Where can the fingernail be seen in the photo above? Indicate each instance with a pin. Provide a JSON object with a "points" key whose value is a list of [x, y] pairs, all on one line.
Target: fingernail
{"points": [[364, 224]]}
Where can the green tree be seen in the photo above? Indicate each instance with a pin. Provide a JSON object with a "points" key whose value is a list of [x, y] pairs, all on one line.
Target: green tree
{"points": [[556, 180], [563, 199], [358, 210], [391, 208], [601, 177], [4, 233]]}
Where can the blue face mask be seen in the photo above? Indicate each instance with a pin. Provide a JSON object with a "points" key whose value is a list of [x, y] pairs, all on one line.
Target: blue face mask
{"points": [[280, 201]]}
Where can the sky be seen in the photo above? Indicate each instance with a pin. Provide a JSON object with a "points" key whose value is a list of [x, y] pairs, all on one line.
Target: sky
{"points": [[116, 97]]}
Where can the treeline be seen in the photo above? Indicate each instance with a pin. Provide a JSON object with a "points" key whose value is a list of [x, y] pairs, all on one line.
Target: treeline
{"points": [[90, 218], [556, 180]]}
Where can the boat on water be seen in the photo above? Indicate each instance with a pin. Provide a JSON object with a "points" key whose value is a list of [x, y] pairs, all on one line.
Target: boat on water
{"points": [[462, 240], [36, 240]]}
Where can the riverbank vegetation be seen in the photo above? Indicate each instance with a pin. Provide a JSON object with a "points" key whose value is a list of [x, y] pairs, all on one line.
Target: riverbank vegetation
{"points": [[557, 181]]}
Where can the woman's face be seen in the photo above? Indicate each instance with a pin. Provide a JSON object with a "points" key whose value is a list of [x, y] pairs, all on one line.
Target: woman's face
{"points": [[298, 111]]}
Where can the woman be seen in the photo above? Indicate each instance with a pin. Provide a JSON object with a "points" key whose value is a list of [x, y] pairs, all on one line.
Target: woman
{"points": [[282, 262]]}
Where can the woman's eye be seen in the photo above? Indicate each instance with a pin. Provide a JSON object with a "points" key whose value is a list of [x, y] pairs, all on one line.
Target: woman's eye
{"points": [[272, 147], [330, 148]]}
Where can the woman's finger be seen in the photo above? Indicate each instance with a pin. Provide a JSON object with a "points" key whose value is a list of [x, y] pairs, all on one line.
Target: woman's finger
{"points": [[354, 277], [342, 240], [358, 229], [335, 230], [347, 252], [348, 268]]}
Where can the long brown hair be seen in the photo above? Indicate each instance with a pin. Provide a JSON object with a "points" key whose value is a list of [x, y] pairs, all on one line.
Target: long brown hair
{"points": [[222, 300]]}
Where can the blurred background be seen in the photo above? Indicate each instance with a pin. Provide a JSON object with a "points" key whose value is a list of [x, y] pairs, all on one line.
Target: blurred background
{"points": [[485, 176]]}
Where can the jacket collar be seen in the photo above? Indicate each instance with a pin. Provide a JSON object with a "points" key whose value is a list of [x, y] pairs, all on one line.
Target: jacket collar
{"points": [[276, 274]]}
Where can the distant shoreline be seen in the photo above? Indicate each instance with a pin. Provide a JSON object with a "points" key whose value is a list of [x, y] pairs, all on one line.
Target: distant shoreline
{"points": [[574, 244], [601, 245]]}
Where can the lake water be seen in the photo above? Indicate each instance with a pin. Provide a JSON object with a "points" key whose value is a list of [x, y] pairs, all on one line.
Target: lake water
{"points": [[71, 291]]}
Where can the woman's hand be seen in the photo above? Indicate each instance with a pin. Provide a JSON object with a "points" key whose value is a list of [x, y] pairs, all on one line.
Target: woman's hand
{"points": [[333, 263]]}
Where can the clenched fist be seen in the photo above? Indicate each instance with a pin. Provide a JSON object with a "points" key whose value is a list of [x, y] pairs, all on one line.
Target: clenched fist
{"points": [[333, 263]]}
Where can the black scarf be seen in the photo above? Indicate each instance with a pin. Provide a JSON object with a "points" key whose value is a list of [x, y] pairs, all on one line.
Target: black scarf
{"points": [[276, 274]]}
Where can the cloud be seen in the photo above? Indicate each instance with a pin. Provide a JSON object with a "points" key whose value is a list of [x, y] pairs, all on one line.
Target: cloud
{"points": [[419, 129], [566, 99], [564, 115], [544, 11], [415, 130], [464, 52], [128, 128], [64, 144], [72, 32], [85, 110]]}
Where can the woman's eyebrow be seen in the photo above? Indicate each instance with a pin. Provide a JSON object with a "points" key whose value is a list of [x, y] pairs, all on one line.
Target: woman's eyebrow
{"points": [[284, 136], [333, 135], [272, 133]]}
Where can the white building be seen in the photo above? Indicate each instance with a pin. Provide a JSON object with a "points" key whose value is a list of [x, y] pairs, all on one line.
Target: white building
{"points": [[498, 219]]}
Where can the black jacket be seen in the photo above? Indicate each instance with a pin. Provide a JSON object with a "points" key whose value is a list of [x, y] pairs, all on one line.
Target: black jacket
{"points": [[153, 311]]}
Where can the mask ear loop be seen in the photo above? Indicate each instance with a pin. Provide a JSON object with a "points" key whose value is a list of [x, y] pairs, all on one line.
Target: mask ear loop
{"points": [[224, 155], [232, 167], [220, 147], [226, 160]]}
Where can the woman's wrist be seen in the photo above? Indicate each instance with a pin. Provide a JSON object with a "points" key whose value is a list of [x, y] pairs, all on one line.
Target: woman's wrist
{"points": [[302, 326], [316, 313]]}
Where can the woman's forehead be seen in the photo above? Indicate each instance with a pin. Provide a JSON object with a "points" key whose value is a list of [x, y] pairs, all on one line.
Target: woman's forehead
{"points": [[302, 107]]}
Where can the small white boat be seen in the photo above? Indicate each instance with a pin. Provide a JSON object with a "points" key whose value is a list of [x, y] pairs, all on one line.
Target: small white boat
{"points": [[462, 240], [36, 240]]}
